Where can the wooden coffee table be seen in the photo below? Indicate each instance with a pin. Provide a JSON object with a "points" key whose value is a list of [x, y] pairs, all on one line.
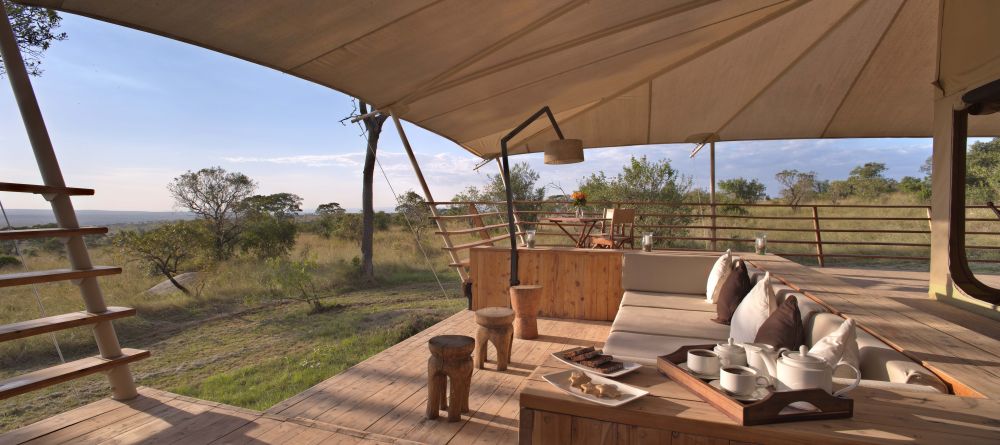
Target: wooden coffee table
{"points": [[671, 414]]}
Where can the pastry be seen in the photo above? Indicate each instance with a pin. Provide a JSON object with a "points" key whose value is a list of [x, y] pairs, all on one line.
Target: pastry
{"points": [[589, 388], [593, 362], [609, 367], [607, 391], [578, 378], [586, 355]]}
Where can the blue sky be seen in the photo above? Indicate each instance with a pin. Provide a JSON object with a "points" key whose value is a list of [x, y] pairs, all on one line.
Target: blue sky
{"points": [[128, 111]]}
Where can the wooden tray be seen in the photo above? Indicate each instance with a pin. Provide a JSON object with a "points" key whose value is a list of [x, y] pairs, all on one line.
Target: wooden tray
{"points": [[765, 411]]}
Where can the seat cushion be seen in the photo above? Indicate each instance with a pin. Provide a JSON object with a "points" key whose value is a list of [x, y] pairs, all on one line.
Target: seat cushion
{"points": [[684, 302], [671, 322], [658, 272], [887, 386], [644, 348]]}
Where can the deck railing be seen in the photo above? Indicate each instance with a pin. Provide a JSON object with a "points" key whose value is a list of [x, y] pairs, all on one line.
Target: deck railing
{"points": [[852, 232]]}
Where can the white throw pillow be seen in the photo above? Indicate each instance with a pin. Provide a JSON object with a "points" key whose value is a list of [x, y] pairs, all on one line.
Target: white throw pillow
{"points": [[717, 276], [759, 304], [840, 345]]}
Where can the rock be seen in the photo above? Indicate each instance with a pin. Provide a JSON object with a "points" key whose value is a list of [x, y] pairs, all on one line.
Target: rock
{"points": [[187, 279]]}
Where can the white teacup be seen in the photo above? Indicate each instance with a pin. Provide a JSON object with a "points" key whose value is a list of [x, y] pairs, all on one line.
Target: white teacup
{"points": [[703, 361], [741, 380]]}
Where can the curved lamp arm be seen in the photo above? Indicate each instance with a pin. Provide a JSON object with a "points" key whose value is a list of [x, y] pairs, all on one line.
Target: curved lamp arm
{"points": [[514, 281]]}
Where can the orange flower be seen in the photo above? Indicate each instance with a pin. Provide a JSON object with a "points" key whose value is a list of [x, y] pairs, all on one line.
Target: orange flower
{"points": [[577, 196]]}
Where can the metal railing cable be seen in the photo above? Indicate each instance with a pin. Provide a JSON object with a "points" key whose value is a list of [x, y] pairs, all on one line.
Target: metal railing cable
{"points": [[409, 224], [34, 288]]}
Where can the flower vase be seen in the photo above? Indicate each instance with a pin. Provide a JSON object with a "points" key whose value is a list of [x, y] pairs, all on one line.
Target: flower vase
{"points": [[579, 212]]}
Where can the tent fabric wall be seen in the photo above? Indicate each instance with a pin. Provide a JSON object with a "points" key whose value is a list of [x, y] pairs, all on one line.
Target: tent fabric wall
{"points": [[645, 72]]}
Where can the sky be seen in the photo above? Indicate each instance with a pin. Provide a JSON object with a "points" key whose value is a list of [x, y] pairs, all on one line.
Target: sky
{"points": [[129, 111]]}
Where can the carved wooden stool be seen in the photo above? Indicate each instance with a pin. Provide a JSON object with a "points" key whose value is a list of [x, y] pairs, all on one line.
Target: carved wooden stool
{"points": [[525, 300], [496, 326], [451, 360]]}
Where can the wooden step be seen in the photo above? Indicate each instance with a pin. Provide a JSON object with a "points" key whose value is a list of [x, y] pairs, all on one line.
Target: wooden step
{"points": [[48, 276], [59, 322], [65, 372], [472, 229], [43, 189], [479, 243], [6, 235]]}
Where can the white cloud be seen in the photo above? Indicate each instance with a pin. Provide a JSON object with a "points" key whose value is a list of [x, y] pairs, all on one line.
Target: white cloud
{"points": [[339, 160]]}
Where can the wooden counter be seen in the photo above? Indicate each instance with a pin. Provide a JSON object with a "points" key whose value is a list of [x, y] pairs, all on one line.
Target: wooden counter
{"points": [[673, 415]]}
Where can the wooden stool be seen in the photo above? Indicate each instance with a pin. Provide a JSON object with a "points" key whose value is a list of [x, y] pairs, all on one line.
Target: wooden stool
{"points": [[451, 359], [525, 299], [496, 326]]}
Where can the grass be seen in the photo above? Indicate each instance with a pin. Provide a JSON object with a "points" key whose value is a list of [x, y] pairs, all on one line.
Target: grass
{"points": [[236, 343]]}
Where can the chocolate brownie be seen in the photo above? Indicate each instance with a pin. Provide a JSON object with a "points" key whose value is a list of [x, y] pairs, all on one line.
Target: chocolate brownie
{"points": [[576, 351], [609, 367], [586, 356], [595, 361]]}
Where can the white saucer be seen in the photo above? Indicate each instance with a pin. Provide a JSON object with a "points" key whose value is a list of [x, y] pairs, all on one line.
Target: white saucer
{"points": [[684, 366], [759, 394]]}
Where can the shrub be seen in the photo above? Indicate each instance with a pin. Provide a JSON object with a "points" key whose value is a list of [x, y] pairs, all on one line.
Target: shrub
{"points": [[6, 260]]}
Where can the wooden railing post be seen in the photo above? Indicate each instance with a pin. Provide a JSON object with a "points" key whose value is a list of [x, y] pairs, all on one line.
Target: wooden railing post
{"points": [[477, 221], [819, 237]]}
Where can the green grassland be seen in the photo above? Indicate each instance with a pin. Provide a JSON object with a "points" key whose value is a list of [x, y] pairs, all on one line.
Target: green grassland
{"points": [[235, 343]]}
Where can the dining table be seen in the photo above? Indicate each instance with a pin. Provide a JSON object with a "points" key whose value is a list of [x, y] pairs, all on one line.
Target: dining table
{"points": [[585, 224]]}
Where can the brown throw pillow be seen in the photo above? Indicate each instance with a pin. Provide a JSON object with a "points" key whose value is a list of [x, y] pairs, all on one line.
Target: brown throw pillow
{"points": [[783, 329], [736, 286]]}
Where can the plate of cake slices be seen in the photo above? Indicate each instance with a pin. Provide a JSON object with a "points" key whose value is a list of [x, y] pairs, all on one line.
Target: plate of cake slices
{"points": [[594, 388], [590, 359]]}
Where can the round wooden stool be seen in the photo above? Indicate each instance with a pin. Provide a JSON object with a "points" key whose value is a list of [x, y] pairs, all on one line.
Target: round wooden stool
{"points": [[496, 326], [525, 299], [451, 359]]}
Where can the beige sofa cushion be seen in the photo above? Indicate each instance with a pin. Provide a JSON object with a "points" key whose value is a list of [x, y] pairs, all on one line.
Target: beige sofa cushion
{"points": [[644, 348], [887, 386], [685, 302], [658, 272], [672, 322]]}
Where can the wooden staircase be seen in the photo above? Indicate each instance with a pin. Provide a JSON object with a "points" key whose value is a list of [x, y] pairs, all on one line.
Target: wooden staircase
{"points": [[117, 358]]}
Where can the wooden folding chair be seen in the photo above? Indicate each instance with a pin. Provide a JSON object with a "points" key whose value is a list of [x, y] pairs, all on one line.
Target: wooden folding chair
{"points": [[620, 231]]}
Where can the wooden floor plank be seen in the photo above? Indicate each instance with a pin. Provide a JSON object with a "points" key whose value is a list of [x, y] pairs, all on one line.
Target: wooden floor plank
{"points": [[73, 433]]}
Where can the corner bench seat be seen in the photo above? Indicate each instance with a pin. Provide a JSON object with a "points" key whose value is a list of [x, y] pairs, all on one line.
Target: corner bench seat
{"points": [[664, 308]]}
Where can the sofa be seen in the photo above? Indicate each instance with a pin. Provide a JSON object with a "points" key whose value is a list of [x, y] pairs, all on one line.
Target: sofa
{"points": [[664, 307]]}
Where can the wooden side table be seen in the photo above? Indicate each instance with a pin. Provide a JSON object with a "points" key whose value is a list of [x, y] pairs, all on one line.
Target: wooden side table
{"points": [[451, 359], [524, 299], [495, 326]]}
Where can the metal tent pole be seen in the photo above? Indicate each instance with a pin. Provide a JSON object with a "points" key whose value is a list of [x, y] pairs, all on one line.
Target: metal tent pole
{"points": [[711, 191], [122, 385]]}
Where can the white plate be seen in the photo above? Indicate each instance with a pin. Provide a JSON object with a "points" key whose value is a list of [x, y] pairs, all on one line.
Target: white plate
{"points": [[684, 366], [758, 393], [628, 393], [628, 367]]}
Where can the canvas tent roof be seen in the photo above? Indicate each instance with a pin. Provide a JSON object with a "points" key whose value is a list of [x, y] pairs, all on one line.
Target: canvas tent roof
{"points": [[616, 73]]}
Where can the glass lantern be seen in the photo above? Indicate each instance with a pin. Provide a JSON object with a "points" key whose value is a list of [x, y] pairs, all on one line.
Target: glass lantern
{"points": [[760, 244], [529, 238], [647, 242]]}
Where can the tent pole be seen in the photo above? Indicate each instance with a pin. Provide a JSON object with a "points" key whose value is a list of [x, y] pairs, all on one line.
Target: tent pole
{"points": [[430, 198], [711, 190], [120, 378]]}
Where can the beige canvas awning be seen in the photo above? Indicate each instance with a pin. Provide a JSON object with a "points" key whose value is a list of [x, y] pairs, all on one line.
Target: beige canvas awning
{"points": [[615, 72]]}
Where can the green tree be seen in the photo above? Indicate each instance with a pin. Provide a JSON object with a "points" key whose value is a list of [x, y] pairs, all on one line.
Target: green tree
{"points": [[524, 186], [293, 279], [413, 209], [216, 196], [168, 248], [869, 181], [642, 180], [35, 30], [270, 224], [741, 191], [796, 186], [983, 174], [329, 215], [330, 209], [837, 190], [919, 187], [373, 129]]}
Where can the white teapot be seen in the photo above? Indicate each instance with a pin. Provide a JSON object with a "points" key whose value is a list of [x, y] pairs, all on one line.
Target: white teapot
{"points": [[731, 353], [758, 357], [799, 370]]}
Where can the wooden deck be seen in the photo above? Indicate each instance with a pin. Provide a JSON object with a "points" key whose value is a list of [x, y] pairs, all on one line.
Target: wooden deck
{"points": [[381, 400]]}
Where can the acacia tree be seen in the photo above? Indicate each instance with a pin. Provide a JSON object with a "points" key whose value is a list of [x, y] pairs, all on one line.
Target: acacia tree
{"points": [[167, 249], [742, 191], [35, 30], [270, 224], [796, 186], [413, 208], [216, 196], [373, 128]]}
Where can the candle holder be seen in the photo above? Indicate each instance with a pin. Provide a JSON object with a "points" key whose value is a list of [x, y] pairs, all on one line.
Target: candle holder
{"points": [[760, 244], [529, 238], [647, 242]]}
